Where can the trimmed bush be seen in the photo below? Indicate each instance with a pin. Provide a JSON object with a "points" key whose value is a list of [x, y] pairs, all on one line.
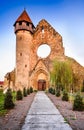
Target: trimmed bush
{"points": [[57, 93], [31, 90], [65, 96], [8, 101], [24, 92], [78, 103], [51, 90], [35, 90], [19, 95], [28, 91]]}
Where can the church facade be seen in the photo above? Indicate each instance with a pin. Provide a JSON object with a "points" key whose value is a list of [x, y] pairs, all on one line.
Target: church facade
{"points": [[32, 70]]}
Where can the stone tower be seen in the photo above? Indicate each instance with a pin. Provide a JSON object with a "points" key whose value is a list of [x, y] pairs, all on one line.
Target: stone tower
{"points": [[23, 29]]}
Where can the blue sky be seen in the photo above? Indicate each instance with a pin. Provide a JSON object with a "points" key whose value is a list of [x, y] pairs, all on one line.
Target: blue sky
{"points": [[66, 16]]}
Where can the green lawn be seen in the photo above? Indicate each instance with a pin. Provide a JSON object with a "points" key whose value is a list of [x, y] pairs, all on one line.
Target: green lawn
{"points": [[2, 110], [2, 96]]}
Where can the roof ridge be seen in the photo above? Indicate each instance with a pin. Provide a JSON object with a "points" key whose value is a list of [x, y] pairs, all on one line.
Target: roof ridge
{"points": [[24, 17]]}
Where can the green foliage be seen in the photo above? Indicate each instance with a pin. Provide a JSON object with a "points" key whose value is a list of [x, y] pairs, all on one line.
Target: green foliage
{"points": [[35, 91], [61, 74], [28, 91], [8, 101], [1, 101], [1, 91], [57, 93], [31, 90], [78, 103], [19, 95], [24, 92], [82, 90], [51, 90], [65, 96], [75, 86]]}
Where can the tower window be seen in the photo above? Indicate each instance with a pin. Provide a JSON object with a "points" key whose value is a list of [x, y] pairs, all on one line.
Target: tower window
{"points": [[20, 23], [27, 24], [20, 54], [42, 29], [20, 38], [25, 66]]}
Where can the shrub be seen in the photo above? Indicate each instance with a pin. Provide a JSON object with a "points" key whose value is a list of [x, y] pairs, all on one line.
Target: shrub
{"points": [[78, 103], [8, 101], [35, 90], [57, 92], [19, 95], [28, 91], [31, 90], [51, 90], [65, 96], [24, 92]]}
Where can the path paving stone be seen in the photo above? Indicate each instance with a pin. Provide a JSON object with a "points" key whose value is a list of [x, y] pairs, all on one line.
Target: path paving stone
{"points": [[43, 115]]}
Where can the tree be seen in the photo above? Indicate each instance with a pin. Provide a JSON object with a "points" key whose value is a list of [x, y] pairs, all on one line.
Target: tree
{"points": [[19, 95], [61, 75], [8, 101], [24, 92], [58, 92], [82, 90], [78, 103], [75, 82], [65, 96], [31, 90], [28, 91]]}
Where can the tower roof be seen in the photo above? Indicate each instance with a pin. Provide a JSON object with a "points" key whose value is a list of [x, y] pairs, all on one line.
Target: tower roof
{"points": [[23, 17]]}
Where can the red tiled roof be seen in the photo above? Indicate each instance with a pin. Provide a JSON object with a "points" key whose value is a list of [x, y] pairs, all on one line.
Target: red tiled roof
{"points": [[24, 17]]}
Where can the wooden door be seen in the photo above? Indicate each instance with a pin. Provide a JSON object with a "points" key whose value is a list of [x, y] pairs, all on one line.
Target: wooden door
{"points": [[41, 85]]}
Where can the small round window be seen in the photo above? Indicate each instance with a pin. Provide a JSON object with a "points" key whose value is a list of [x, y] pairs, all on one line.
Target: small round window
{"points": [[43, 50]]}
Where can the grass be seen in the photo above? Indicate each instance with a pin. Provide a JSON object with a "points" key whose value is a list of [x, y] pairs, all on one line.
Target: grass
{"points": [[2, 96], [66, 120], [2, 110]]}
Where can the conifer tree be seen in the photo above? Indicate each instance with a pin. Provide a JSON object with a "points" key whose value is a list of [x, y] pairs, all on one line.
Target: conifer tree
{"points": [[19, 95], [24, 92], [8, 101]]}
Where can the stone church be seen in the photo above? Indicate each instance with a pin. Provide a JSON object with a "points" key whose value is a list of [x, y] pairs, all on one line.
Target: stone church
{"points": [[32, 70]]}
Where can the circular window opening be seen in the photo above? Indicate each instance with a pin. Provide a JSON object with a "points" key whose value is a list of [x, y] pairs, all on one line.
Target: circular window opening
{"points": [[43, 50]]}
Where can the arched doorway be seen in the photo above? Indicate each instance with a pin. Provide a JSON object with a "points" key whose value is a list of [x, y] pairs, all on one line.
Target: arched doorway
{"points": [[41, 85]]}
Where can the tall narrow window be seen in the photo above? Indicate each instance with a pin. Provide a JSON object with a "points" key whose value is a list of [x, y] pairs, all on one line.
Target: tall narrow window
{"points": [[20, 54], [42, 30], [20, 23], [25, 66]]}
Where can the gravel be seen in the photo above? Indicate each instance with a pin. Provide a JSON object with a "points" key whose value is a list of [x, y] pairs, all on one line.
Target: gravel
{"points": [[14, 119], [74, 118]]}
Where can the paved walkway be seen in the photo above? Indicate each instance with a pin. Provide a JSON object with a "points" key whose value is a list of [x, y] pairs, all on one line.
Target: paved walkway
{"points": [[43, 115]]}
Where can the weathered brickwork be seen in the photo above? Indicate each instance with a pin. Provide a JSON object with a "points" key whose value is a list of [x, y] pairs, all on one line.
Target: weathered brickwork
{"points": [[31, 70]]}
